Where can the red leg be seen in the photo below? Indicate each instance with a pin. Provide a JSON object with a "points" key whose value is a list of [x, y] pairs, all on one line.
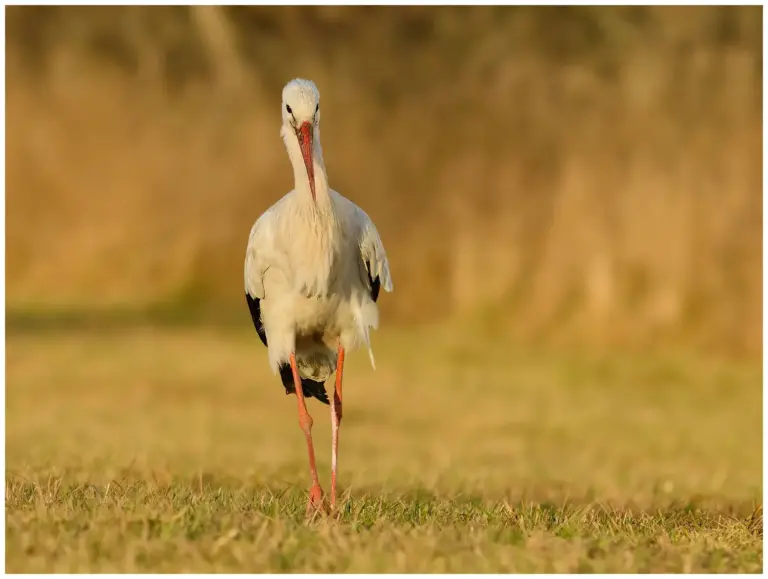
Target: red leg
{"points": [[305, 421], [335, 421]]}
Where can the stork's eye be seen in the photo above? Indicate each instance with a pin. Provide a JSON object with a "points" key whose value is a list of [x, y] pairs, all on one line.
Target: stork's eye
{"points": [[288, 108], [317, 108]]}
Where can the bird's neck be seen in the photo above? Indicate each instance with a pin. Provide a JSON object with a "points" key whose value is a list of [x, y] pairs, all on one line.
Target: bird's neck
{"points": [[301, 180]]}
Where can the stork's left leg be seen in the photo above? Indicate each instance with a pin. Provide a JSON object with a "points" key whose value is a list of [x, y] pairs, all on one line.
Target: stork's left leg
{"points": [[335, 422]]}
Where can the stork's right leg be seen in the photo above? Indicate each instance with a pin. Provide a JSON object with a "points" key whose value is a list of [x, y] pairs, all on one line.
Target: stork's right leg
{"points": [[305, 421]]}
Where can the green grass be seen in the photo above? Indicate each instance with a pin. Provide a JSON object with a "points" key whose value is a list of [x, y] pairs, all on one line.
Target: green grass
{"points": [[176, 450]]}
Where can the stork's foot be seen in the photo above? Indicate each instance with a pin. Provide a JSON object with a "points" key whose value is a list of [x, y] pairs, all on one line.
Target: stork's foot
{"points": [[316, 502]]}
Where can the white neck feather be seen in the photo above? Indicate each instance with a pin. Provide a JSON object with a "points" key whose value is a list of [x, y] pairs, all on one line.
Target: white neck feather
{"points": [[315, 234]]}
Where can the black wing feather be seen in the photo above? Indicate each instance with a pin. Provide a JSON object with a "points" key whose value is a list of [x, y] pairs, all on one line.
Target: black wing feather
{"points": [[375, 282], [311, 388], [254, 306]]}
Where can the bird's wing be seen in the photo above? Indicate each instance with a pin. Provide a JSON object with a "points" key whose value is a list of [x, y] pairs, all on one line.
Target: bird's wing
{"points": [[264, 248], [374, 269], [372, 252], [260, 242]]}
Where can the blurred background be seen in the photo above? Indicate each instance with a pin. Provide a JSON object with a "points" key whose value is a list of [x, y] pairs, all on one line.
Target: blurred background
{"points": [[576, 174], [570, 198]]}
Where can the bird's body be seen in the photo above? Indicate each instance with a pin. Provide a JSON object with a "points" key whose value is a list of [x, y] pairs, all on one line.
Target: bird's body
{"points": [[314, 266], [317, 270]]}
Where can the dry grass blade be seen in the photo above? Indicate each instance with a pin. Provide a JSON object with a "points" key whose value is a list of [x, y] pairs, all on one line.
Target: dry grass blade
{"points": [[565, 465]]}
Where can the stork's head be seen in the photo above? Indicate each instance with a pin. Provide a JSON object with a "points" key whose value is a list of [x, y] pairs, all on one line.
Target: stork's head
{"points": [[301, 114]]}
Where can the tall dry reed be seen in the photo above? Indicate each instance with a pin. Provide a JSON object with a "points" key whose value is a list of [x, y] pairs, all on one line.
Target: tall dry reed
{"points": [[590, 172]]}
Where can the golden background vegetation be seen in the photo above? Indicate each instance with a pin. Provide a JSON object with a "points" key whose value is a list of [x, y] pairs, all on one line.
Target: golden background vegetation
{"points": [[591, 174]]}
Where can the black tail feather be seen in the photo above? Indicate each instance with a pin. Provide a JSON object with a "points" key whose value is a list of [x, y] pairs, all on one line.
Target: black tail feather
{"points": [[311, 388]]}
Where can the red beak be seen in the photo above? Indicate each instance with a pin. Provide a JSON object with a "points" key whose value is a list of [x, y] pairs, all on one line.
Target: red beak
{"points": [[305, 135]]}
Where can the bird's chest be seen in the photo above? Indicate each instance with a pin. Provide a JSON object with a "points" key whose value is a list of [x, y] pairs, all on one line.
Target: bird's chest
{"points": [[316, 258], [313, 269]]}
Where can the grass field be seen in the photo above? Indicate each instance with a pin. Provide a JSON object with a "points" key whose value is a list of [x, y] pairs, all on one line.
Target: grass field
{"points": [[175, 450]]}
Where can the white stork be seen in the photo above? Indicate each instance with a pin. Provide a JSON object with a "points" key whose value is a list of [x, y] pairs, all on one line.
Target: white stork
{"points": [[313, 270]]}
